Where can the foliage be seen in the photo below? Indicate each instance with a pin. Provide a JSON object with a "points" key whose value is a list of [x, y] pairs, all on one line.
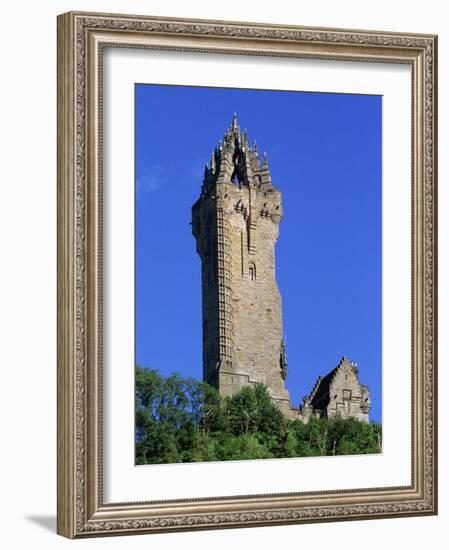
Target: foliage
{"points": [[179, 419]]}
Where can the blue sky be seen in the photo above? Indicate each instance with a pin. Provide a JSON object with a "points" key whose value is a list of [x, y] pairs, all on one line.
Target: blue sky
{"points": [[324, 153]]}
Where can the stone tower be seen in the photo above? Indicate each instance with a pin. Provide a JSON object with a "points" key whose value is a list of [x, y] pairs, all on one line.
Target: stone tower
{"points": [[236, 225]]}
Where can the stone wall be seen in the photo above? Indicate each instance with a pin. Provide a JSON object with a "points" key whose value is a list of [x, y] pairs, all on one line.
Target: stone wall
{"points": [[338, 394]]}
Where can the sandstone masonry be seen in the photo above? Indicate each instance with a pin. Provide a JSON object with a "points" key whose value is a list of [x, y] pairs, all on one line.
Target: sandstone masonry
{"points": [[339, 393]]}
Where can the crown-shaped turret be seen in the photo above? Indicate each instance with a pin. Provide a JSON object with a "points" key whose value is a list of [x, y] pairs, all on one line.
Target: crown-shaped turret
{"points": [[234, 161]]}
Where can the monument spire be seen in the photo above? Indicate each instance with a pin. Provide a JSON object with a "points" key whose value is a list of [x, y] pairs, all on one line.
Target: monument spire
{"points": [[234, 121]]}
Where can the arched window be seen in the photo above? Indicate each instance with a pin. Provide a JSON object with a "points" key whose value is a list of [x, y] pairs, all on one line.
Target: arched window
{"points": [[252, 272]]}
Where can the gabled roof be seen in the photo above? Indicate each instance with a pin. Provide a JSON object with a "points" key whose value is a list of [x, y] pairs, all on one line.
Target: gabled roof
{"points": [[320, 393], [319, 396]]}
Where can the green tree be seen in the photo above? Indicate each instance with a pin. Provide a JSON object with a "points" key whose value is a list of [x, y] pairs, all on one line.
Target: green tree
{"points": [[179, 419]]}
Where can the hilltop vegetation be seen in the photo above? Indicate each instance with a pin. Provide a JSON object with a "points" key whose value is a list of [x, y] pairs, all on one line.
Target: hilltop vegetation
{"points": [[180, 419]]}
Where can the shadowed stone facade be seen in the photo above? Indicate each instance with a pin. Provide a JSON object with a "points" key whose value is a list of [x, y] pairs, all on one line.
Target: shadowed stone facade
{"points": [[236, 225], [339, 393]]}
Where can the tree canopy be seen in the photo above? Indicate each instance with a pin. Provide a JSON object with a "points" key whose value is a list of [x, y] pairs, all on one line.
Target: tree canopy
{"points": [[179, 419]]}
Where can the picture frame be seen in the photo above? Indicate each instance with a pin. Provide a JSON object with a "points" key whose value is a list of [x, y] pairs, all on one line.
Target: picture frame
{"points": [[82, 40]]}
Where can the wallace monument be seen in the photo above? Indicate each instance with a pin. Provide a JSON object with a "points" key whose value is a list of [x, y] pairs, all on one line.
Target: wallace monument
{"points": [[236, 223]]}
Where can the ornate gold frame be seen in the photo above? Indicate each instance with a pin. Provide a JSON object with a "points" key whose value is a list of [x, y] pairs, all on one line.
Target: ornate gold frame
{"points": [[81, 37]]}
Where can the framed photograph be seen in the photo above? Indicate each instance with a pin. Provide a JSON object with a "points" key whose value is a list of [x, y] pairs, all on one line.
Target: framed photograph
{"points": [[246, 274]]}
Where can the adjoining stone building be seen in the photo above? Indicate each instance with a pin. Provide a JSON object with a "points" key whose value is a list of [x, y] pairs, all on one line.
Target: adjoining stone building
{"points": [[339, 393], [236, 224]]}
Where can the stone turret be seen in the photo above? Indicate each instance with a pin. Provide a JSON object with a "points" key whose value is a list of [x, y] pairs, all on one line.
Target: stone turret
{"points": [[236, 225]]}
